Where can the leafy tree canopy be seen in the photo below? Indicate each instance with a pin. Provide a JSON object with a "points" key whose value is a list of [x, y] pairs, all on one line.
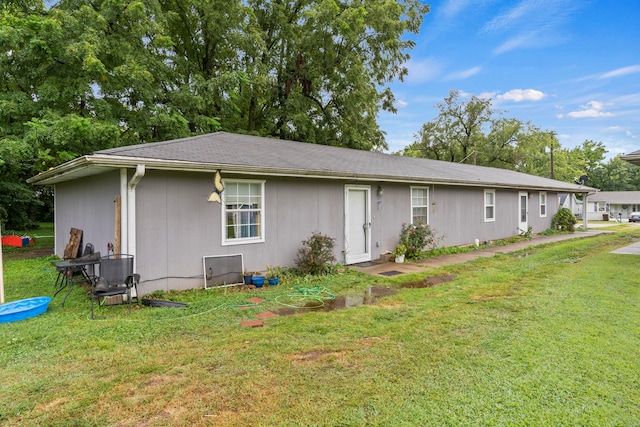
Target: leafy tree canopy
{"points": [[471, 131], [84, 75]]}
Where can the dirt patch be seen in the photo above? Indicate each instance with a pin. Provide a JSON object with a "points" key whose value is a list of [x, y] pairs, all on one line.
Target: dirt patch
{"points": [[27, 253]]}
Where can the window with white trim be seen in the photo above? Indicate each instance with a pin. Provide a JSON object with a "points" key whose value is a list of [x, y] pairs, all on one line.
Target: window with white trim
{"points": [[543, 204], [489, 205], [243, 212], [420, 205]]}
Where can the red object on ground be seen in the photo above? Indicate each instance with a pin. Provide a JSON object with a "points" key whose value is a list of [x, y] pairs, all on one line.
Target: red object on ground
{"points": [[252, 323], [15, 241]]}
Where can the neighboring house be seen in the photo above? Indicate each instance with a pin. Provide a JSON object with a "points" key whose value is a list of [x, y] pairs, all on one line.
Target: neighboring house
{"points": [[633, 158], [571, 202], [276, 194], [612, 204]]}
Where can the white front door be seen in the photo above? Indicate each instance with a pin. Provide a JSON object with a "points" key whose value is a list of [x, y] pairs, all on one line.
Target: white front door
{"points": [[523, 212], [357, 231]]}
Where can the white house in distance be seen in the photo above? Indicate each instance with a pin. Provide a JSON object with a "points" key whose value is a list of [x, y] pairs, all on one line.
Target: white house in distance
{"points": [[276, 194], [610, 205]]}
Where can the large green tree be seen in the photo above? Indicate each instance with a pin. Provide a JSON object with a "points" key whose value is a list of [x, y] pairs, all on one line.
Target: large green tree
{"points": [[76, 78], [309, 70], [469, 130], [457, 133], [83, 75]]}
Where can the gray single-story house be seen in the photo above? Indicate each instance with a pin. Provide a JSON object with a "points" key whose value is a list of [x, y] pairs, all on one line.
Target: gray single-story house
{"points": [[609, 205], [276, 194]]}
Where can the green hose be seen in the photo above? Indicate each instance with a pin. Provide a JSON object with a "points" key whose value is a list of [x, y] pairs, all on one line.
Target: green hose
{"points": [[304, 296]]}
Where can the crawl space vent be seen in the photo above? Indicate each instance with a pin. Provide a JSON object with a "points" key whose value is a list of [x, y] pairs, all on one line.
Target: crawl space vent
{"points": [[222, 270]]}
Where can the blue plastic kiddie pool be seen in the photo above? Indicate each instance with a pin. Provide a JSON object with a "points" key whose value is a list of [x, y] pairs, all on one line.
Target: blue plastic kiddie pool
{"points": [[23, 309]]}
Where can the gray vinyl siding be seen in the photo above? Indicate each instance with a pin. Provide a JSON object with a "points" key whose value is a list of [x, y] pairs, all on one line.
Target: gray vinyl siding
{"points": [[457, 214], [87, 204], [538, 223], [176, 225]]}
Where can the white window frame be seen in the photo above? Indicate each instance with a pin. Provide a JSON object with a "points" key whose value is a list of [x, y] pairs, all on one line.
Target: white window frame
{"points": [[242, 240], [484, 203], [543, 204], [419, 206]]}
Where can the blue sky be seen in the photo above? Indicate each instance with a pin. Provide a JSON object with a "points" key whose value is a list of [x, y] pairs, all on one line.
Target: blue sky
{"points": [[569, 66]]}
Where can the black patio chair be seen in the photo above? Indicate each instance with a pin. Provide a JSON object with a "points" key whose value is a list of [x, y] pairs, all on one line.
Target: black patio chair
{"points": [[116, 278]]}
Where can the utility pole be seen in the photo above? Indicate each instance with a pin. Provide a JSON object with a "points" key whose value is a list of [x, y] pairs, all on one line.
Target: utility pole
{"points": [[553, 173], [552, 140]]}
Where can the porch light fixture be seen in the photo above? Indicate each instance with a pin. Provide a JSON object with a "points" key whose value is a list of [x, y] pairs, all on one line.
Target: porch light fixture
{"points": [[217, 190]]}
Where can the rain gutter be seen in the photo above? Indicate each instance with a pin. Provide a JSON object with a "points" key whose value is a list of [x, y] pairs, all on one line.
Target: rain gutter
{"points": [[101, 162]]}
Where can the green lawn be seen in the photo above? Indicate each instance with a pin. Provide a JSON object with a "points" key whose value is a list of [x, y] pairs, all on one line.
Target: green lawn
{"points": [[548, 339]]}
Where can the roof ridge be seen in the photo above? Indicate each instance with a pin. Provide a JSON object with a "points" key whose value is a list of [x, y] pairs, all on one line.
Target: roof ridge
{"points": [[126, 148]]}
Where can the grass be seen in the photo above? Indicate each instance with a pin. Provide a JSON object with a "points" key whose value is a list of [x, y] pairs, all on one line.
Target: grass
{"points": [[546, 339]]}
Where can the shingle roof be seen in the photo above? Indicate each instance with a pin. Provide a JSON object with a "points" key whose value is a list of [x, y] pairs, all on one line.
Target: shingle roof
{"points": [[617, 197], [259, 155], [633, 157]]}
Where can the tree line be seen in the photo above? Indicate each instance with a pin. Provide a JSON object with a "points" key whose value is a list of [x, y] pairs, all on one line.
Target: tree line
{"points": [[79, 76], [84, 75], [470, 130]]}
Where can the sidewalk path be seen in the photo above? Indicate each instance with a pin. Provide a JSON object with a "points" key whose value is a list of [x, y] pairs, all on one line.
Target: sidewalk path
{"points": [[392, 269]]}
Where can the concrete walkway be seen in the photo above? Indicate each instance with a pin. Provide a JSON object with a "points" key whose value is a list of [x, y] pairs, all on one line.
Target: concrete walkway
{"points": [[392, 269], [632, 249]]}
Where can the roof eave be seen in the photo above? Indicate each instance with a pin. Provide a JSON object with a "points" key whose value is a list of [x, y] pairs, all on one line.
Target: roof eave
{"points": [[98, 163], [632, 158]]}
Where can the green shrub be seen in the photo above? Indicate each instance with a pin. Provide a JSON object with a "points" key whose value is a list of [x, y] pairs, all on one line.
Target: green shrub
{"points": [[417, 238], [564, 220], [316, 255]]}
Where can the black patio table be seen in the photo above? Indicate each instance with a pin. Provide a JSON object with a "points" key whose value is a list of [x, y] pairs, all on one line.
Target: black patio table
{"points": [[66, 268]]}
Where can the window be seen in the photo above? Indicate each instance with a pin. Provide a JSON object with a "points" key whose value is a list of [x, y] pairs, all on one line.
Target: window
{"points": [[420, 205], [243, 216], [489, 205], [543, 204]]}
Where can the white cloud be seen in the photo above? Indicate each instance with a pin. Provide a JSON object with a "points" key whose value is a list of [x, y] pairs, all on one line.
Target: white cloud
{"points": [[592, 109], [467, 95], [506, 20], [519, 95], [620, 72], [402, 103], [531, 23], [523, 40], [421, 71], [454, 7], [464, 74], [487, 95]]}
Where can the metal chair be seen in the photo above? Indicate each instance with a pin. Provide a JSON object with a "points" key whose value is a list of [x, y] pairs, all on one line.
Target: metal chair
{"points": [[116, 278]]}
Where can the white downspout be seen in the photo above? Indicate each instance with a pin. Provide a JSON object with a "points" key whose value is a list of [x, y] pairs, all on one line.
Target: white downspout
{"points": [[131, 212], [124, 229]]}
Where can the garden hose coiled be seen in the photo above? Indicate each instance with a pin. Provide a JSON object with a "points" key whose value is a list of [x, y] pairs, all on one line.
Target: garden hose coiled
{"points": [[313, 297]]}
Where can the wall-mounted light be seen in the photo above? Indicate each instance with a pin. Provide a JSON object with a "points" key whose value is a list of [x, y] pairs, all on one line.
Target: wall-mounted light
{"points": [[380, 190]]}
